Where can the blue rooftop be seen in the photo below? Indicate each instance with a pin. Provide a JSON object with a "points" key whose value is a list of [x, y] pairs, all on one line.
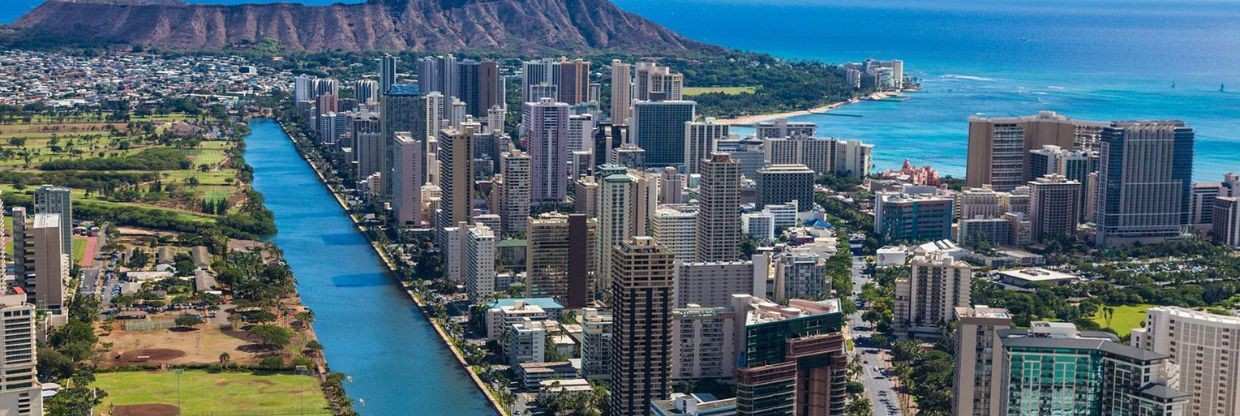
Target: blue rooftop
{"points": [[545, 303], [404, 89], [817, 223]]}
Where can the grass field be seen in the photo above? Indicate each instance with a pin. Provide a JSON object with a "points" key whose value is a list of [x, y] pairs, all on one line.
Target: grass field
{"points": [[692, 91], [1125, 319], [226, 393]]}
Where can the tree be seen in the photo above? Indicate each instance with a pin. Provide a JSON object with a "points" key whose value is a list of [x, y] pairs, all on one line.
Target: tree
{"points": [[225, 359], [858, 407], [188, 320], [271, 335]]}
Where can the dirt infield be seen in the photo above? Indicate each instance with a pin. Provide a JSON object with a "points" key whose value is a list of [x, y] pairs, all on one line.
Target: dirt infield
{"points": [[146, 410], [150, 355]]}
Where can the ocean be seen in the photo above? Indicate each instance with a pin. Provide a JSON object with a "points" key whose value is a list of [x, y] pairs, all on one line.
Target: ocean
{"points": [[1098, 60], [1088, 59]]}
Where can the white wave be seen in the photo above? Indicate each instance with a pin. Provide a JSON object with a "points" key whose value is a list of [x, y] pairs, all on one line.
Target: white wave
{"points": [[967, 77]]}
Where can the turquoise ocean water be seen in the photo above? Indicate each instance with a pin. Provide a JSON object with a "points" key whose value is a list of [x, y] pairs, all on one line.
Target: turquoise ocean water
{"points": [[1088, 59]]}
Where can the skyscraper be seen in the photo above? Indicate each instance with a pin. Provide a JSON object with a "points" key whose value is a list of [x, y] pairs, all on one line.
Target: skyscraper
{"points": [[580, 133], [539, 75], [700, 138], [41, 261], [674, 226], [366, 91], [574, 81], [621, 91], [1227, 221], [719, 218], [456, 178], [781, 184], [641, 293], [551, 252], [1053, 369], [480, 86], [913, 217], [999, 148], [978, 386], [1204, 345], [367, 144], [1053, 204], [791, 358], [1145, 182], [478, 259], [515, 205], [657, 83], [439, 73], [402, 110], [57, 200], [387, 73], [659, 128], [928, 297], [545, 128], [618, 195], [406, 188], [21, 393]]}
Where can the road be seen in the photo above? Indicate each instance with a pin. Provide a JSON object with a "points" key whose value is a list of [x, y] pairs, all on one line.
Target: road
{"points": [[878, 388]]}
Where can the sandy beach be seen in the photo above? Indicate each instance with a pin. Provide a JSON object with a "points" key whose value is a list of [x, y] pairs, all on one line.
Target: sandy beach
{"points": [[758, 118]]}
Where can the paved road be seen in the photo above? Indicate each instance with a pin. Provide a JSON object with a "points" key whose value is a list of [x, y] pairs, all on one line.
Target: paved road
{"points": [[878, 388]]}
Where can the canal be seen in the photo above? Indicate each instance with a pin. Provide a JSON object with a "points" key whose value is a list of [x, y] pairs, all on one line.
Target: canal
{"points": [[370, 331]]}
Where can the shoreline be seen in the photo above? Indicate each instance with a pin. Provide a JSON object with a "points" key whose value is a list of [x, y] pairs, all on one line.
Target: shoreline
{"points": [[392, 269], [750, 120]]}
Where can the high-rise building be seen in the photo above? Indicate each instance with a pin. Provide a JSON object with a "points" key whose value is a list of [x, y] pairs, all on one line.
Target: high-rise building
{"points": [[1227, 221], [712, 284], [978, 387], [800, 275], [746, 151], [700, 138], [41, 262], [703, 345], [621, 91], [454, 251], [574, 81], [478, 261], [642, 302], [657, 83], [402, 110], [439, 73], [1053, 203], [545, 128], [480, 86], [1145, 182], [780, 184], [671, 186], [659, 128], [57, 200], [585, 196], [496, 117], [580, 133], [303, 88], [1053, 369], [549, 256], [1204, 345], [387, 73], [596, 328], [999, 147], [674, 226], [782, 128], [406, 188], [515, 190], [456, 179], [719, 218], [913, 217], [21, 394], [791, 358], [367, 144], [928, 297], [539, 74], [366, 91], [1201, 205], [618, 195]]}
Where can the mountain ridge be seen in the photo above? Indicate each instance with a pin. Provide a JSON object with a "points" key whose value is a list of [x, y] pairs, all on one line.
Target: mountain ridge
{"points": [[514, 26]]}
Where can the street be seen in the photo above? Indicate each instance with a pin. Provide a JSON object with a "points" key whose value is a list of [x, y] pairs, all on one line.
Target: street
{"points": [[878, 387]]}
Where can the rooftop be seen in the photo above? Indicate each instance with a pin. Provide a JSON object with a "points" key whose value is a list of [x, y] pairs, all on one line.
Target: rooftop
{"points": [[1037, 274], [544, 303]]}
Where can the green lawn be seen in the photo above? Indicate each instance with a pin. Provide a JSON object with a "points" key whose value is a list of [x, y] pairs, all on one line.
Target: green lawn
{"points": [[79, 248], [1125, 319], [226, 393], [692, 91]]}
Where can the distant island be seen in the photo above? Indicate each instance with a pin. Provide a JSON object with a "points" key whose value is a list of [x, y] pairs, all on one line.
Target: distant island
{"points": [[504, 26]]}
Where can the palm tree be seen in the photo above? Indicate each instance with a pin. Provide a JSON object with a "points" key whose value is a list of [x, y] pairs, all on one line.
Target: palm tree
{"points": [[224, 359]]}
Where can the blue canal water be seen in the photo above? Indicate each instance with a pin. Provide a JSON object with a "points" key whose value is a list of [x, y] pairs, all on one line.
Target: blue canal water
{"points": [[1089, 59], [369, 329]]}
